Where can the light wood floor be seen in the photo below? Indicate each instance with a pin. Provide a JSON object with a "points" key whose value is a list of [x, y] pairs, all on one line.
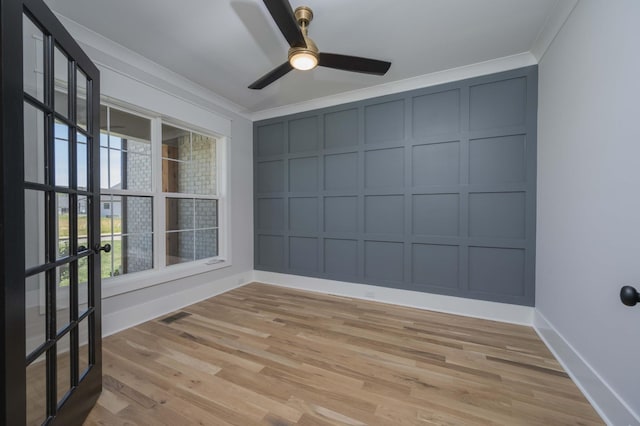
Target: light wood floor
{"points": [[265, 355]]}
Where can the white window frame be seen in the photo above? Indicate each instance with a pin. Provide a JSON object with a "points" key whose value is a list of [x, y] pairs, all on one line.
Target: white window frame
{"points": [[161, 273]]}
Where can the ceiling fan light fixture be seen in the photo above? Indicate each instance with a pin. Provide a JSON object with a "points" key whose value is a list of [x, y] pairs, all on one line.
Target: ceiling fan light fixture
{"points": [[303, 59]]}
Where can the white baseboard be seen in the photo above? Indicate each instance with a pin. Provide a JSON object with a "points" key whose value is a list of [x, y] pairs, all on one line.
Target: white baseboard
{"points": [[120, 320], [503, 312], [602, 397]]}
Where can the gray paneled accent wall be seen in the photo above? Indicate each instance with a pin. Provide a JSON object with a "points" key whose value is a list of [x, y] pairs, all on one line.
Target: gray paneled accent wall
{"points": [[431, 190]]}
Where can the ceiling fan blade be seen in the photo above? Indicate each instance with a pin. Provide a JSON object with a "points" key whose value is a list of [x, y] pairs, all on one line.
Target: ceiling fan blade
{"points": [[354, 63], [282, 13], [271, 76]]}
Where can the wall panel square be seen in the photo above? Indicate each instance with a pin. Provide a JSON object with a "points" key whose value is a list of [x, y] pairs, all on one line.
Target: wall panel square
{"points": [[303, 254], [341, 257], [270, 176], [384, 168], [303, 174], [271, 251], [435, 265], [436, 114], [436, 164], [384, 214], [341, 214], [497, 214], [384, 122], [384, 261], [341, 129], [436, 214], [497, 270], [497, 160], [499, 104], [303, 135], [341, 172], [270, 140], [271, 214], [303, 214]]}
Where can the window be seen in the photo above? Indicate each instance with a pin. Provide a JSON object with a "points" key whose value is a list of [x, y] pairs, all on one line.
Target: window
{"points": [[189, 184], [160, 202]]}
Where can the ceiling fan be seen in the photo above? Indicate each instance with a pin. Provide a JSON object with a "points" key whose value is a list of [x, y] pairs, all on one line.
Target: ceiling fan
{"points": [[303, 53]]}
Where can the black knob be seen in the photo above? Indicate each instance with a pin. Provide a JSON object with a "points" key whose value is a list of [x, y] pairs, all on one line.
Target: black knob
{"points": [[105, 248], [629, 295]]}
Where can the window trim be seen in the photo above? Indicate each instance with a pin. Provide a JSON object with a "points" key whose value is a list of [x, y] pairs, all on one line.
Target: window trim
{"points": [[161, 273]]}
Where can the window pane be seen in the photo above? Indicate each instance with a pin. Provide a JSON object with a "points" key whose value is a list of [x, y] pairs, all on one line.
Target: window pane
{"points": [[83, 285], [61, 154], [104, 167], [33, 59], [81, 99], [61, 73], [136, 253], [129, 126], [170, 175], [179, 214], [83, 229], [206, 214], [180, 247], [34, 230], [206, 243], [83, 339], [136, 171], [35, 310], [37, 391], [63, 366], [176, 143], [106, 230], [103, 126], [33, 144], [201, 179], [106, 259], [62, 224], [136, 215], [81, 167], [63, 295], [115, 169]]}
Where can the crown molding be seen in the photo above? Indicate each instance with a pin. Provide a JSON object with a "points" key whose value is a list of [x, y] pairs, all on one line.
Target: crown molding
{"points": [[555, 21], [454, 74]]}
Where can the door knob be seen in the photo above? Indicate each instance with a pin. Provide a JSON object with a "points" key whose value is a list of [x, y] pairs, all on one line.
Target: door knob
{"points": [[629, 295], [105, 248]]}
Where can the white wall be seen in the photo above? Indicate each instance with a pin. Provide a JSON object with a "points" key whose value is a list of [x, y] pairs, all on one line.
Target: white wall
{"points": [[130, 78], [588, 238]]}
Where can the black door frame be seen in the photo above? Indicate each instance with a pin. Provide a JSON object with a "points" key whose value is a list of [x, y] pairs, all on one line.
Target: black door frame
{"points": [[12, 220]]}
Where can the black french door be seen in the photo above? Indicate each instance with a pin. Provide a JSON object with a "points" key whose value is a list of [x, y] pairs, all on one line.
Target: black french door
{"points": [[50, 327]]}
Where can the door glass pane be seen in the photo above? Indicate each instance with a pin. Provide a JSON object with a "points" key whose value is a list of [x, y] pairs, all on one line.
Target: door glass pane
{"points": [[104, 167], [83, 217], [61, 75], [63, 362], [33, 59], [35, 311], [83, 339], [63, 295], [61, 154], [62, 224], [179, 247], [81, 99], [33, 144], [37, 391], [34, 230], [83, 285], [81, 157]]}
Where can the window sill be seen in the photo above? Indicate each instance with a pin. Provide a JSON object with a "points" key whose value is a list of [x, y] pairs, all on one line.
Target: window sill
{"points": [[139, 280]]}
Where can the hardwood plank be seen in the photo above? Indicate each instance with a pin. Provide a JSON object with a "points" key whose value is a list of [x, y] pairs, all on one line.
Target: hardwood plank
{"points": [[274, 356]]}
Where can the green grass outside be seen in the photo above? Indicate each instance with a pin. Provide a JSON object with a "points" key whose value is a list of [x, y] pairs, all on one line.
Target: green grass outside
{"points": [[105, 265], [105, 225]]}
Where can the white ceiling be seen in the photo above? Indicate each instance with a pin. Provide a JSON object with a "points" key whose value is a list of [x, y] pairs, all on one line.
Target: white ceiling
{"points": [[226, 45]]}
